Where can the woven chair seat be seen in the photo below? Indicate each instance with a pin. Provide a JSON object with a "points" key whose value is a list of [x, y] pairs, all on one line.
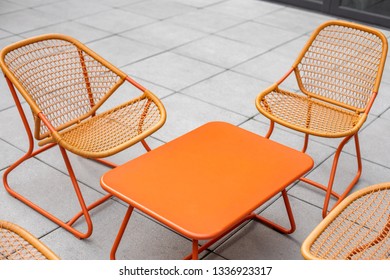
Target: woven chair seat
{"points": [[111, 131], [359, 229], [308, 115], [18, 244]]}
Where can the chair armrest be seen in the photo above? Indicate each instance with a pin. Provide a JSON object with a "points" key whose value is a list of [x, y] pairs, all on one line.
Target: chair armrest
{"points": [[54, 134]]}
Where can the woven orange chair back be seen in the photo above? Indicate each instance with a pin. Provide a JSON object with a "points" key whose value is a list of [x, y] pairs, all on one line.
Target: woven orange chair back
{"points": [[59, 76], [342, 63]]}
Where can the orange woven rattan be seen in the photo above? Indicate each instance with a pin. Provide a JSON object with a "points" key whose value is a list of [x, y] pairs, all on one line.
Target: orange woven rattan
{"points": [[103, 134], [338, 73], [359, 228], [309, 114], [18, 244], [341, 65], [66, 84]]}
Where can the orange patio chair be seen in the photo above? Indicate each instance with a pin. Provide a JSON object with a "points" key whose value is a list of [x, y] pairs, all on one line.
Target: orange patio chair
{"points": [[338, 73], [65, 84], [17, 243], [358, 228]]}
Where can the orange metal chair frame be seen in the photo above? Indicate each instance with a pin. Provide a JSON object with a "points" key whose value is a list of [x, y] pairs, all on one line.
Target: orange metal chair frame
{"points": [[343, 102], [357, 228], [17, 243], [51, 135]]}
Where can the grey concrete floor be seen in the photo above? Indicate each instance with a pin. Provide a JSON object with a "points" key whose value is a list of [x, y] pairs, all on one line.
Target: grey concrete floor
{"points": [[207, 60]]}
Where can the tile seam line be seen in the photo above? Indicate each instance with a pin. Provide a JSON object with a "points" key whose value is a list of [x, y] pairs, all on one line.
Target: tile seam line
{"points": [[72, 19], [215, 105], [51, 166], [115, 33]]}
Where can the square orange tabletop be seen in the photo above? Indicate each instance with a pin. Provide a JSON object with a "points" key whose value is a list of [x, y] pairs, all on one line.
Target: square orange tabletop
{"points": [[207, 180]]}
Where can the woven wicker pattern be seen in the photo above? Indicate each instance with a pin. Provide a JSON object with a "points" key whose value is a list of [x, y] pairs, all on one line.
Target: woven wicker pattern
{"points": [[62, 80], [14, 247], [308, 113], [360, 231], [341, 64], [112, 128]]}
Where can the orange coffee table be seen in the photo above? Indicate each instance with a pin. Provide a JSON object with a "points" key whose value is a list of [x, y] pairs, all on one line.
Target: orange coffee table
{"points": [[207, 182]]}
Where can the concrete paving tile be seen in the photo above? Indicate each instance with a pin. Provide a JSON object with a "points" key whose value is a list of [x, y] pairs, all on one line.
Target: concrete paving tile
{"points": [[292, 49], [6, 97], [7, 7], [198, 3], [247, 9], [49, 188], [295, 20], [115, 20], [8, 41], [121, 51], [143, 238], [12, 131], [386, 71], [256, 241], [33, 3], [89, 172], [218, 51], [270, 67], [206, 20], [163, 35], [78, 31], [229, 90], [159, 9], [114, 3], [372, 173], [185, 113], [317, 151], [382, 101], [4, 34], [26, 20], [374, 142], [172, 71], [262, 36], [213, 257], [9, 154], [72, 9], [386, 115], [386, 32], [15, 211]]}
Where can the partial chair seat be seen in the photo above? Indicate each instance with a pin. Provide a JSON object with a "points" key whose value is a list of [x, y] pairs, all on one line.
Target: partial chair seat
{"points": [[307, 114], [111, 131], [18, 244], [358, 228]]}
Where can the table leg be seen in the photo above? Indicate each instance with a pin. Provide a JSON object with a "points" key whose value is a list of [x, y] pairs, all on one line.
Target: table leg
{"points": [[121, 231], [290, 217], [195, 249]]}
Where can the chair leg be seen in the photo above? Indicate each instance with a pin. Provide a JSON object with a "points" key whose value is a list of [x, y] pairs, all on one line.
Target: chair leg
{"points": [[333, 174], [48, 215], [328, 188], [31, 153], [270, 129]]}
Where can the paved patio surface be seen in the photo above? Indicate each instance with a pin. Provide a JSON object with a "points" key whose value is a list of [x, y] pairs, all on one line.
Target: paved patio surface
{"points": [[207, 60]]}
